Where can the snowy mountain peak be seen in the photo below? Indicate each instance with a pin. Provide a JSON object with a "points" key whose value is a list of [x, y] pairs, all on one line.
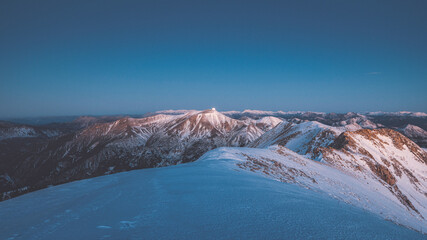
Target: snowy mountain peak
{"points": [[208, 122]]}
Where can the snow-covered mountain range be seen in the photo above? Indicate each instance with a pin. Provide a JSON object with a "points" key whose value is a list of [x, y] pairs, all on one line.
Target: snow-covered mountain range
{"points": [[93, 146], [124, 144], [370, 161]]}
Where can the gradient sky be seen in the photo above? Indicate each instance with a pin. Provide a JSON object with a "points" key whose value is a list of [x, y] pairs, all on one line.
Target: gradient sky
{"points": [[128, 57]]}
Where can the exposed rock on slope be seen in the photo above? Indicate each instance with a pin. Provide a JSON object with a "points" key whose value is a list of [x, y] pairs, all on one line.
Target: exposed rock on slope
{"points": [[386, 159], [377, 191], [387, 156]]}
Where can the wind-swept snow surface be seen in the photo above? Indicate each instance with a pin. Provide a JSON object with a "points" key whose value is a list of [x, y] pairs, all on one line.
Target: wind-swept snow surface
{"points": [[216, 197]]}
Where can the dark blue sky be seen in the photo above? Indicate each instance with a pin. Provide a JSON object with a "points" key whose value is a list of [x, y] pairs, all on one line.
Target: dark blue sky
{"points": [[115, 57]]}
